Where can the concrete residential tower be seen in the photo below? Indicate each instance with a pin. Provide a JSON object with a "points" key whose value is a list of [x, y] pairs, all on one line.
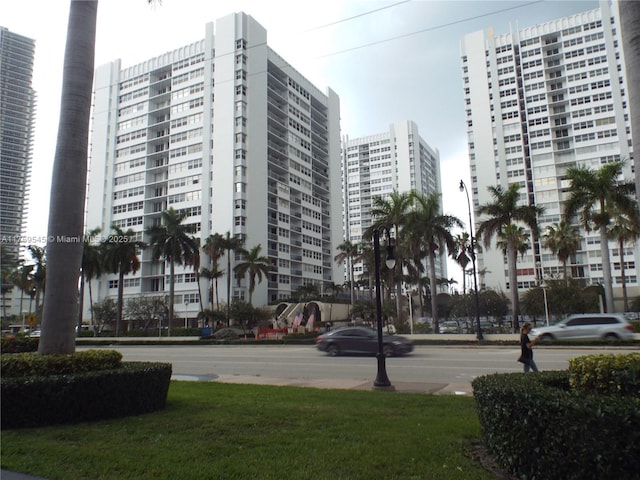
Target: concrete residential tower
{"points": [[17, 110], [228, 132], [376, 165], [539, 100]]}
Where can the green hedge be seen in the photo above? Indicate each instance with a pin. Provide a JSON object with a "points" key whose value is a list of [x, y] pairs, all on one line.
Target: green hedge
{"points": [[133, 388], [606, 374], [30, 364], [18, 344], [538, 428]]}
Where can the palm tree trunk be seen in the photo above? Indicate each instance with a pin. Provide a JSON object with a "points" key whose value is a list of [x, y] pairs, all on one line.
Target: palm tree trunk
{"points": [[68, 183], [624, 280], [606, 271], [93, 327], [464, 281], [80, 304], [199, 291], [120, 300], [228, 288], [351, 281], [171, 292], [217, 297], [432, 287], [513, 285]]}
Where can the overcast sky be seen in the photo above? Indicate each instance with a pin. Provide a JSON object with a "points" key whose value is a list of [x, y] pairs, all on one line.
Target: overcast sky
{"points": [[388, 61]]}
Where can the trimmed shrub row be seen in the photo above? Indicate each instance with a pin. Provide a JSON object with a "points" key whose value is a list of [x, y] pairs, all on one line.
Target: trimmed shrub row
{"points": [[537, 427], [131, 389], [606, 374], [32, 364], [19, 344]]}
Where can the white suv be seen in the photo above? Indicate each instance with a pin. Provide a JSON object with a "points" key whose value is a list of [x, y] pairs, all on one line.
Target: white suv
{"points": [[587, 326]]}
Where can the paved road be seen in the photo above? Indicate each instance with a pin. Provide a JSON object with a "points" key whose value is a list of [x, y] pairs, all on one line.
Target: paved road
{"points": [[433, 369]]}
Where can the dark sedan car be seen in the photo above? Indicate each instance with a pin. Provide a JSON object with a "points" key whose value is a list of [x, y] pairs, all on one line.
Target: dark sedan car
{"points": [[361, 340]]}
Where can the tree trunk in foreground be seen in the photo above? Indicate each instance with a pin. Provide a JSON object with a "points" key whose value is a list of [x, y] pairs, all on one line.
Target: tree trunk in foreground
{"points": [[68, 183]]}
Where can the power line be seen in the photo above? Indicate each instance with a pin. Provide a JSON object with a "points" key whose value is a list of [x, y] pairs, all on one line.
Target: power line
{"points": [[356, 16], [430, 29]]}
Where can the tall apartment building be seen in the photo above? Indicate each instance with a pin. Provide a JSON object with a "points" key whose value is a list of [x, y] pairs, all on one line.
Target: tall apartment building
{"points": [[376, 165], [17, 115], [228, 132], [539, 100]]}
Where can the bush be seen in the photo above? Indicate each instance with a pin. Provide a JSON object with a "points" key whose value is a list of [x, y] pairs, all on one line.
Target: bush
{"points": [[33, 364], [42, 390], [18, 344], [537, 427], [606, 374], [131, 389]]}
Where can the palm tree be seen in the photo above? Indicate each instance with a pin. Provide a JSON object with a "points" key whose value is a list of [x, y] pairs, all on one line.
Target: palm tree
{"points": [[594, 195], [503, 212], [348, 254], [230, 244], [391, 211], [194, 261], [213, 248], [367, 258], [172, 242], [434, 229], [22, 277], [39, 273], [8, 265], [213, 274], [517, 236], [563, 240], [68, 183], [461, 255], [120, 256], [255, 264], [624, 229], [92, 267]]}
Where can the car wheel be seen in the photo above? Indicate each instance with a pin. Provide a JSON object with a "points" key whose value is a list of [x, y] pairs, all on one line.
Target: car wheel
{"points": [[388, 351], [546, 337], [611, 337], [333, 350]]}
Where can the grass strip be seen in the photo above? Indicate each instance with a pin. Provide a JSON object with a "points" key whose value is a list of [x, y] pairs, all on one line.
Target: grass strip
{"points": [[234, 432]]}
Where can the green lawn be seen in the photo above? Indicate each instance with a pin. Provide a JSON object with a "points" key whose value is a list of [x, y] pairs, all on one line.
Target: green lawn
{"points": [[226, 431]]}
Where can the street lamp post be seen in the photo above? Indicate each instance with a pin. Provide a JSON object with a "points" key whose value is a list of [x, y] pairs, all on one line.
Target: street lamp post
{"points": [[540, 276], [472, 251], [382, 380], [546, 303]]}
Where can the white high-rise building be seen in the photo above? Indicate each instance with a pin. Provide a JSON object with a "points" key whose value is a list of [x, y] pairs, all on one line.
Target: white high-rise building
{"points": [[227, 131], [539, 100], [376, 165]]}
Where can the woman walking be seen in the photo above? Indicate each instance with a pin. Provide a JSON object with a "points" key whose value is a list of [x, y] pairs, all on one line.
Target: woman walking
{"points": [[526, 348]]}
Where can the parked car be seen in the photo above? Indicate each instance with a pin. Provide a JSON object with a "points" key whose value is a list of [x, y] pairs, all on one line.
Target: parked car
{"points": [[361, 340], [588, 326], [450, 326]]}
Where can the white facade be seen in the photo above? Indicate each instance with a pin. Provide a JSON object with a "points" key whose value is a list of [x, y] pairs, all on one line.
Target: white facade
{"points": [[376, 165], [227, 131], [540, 100]]}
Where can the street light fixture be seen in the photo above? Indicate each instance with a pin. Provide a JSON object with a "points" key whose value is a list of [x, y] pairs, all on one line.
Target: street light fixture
{"points": [[382, 380], [472, 251]]}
